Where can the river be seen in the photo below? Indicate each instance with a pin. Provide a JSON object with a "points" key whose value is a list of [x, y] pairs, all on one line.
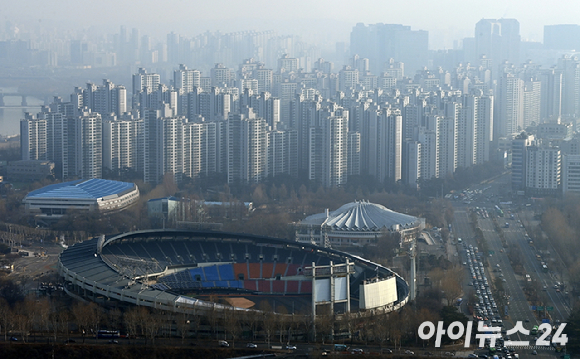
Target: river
{"points": [[13, 112]]}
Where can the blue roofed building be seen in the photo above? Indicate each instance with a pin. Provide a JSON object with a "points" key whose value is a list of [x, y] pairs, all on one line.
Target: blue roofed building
{"points": [[94, 194]]}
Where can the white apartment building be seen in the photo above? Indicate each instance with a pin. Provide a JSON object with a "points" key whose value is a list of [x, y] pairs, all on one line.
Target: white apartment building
{"points": [[121, 143], [543, 166], [429, 159], [265, 79], [186, 79], [413, 163], [447, 145], [510, 107], [484, 129], [570, 173], [89, 146], [247, 148], [532, 97], [33, 139], [143, 81], [334, 151]]}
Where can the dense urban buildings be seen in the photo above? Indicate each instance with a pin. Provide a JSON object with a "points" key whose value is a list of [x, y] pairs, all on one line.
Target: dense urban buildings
{"points": [[395, 111]]}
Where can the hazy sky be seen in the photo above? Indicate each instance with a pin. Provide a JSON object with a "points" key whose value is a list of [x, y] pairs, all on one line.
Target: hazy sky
{"points": [[321, 19]]}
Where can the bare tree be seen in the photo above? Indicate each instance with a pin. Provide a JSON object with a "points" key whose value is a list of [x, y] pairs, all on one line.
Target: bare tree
{"points": [[324, 322], [307, 323], [251, 318], [269, 324], [22, 320], [83, 317], [196, 321], [53, 319], [381, 327], [232, 324], [95, 316], [5, 316], [41, 314], [114, 318], [152, 324], [143, 315], [212, 317], [167, 318], [281, 320], [451, 284], [132, 319], [63, 319], [183, 324]]}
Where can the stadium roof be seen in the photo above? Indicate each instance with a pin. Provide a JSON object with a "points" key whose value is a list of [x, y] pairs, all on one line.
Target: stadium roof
{"points": [[86, 189], [361, 216]]}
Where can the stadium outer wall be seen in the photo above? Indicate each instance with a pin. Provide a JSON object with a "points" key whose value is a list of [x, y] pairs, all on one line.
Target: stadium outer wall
{"points": [[89, 274]]}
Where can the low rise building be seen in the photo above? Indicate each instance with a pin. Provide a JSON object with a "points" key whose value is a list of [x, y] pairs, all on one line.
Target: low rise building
{"points": [[53, 201]]}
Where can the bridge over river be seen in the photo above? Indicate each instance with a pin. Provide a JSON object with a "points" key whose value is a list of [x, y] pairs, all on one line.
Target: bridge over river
{"points": [[24, 99]]}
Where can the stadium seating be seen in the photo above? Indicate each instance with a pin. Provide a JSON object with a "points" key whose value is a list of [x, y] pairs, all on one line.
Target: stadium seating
{"points": [[255, 271], [241, 268], [211, 273], [255, 268], [267, 270], [226, 272], [251, 285]]}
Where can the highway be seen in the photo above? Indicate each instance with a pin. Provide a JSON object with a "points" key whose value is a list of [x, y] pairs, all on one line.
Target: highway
{"points": [[513, 304]]}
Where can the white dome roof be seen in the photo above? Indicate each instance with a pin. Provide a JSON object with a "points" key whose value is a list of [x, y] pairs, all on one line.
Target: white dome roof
{"points": [[362, 216]]}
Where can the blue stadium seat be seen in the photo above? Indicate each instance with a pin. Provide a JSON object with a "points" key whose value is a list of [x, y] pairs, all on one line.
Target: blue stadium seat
{"points": [[226, 272], [211, 273], [195, 272]]}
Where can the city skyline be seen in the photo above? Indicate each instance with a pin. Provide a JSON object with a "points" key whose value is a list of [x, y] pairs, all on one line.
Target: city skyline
{"points": [[447, 20], [252, 105]]}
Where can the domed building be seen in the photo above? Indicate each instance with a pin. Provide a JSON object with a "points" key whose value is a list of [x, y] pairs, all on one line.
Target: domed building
{"points": [[356, 224], [51, 202]]}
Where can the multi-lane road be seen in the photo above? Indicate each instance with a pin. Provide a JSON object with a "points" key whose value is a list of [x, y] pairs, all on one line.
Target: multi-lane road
{"points": [[516, 305]]}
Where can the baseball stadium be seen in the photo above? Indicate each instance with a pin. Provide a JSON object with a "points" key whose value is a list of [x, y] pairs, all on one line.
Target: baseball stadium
{"points": [[181, 270]]}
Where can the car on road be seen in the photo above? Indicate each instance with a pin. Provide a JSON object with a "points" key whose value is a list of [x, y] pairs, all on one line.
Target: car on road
{"points": [[409, 352], [13, 339], [251, 345], [291, 347], [357, 351], [224, 344]]}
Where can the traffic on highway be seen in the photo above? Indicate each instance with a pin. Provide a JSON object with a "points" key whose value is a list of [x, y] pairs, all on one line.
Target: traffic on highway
{"points": [[495, 292]]}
